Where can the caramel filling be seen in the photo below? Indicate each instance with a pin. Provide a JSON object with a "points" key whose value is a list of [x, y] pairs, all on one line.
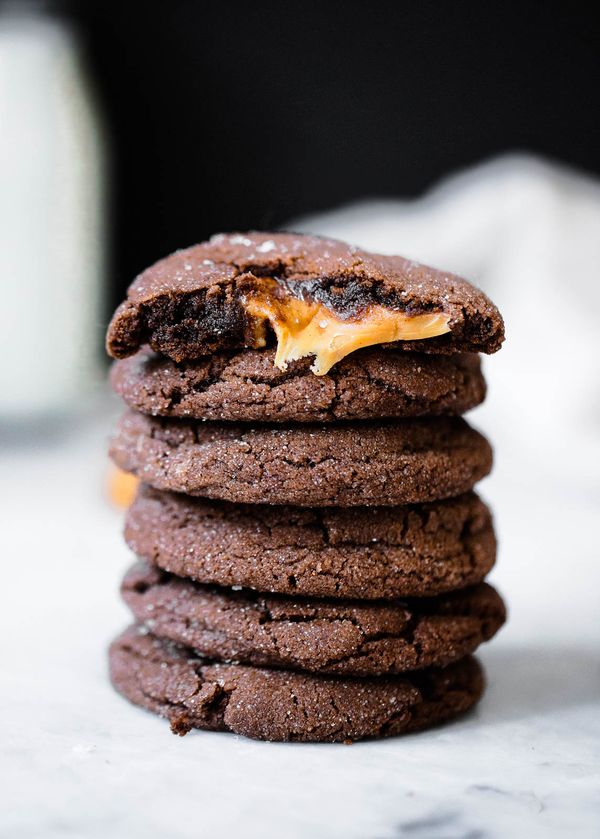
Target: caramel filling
{"points": [[307, 328]]}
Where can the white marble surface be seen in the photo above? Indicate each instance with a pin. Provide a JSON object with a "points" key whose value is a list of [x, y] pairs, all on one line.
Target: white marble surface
{"points": [[77, 760]]}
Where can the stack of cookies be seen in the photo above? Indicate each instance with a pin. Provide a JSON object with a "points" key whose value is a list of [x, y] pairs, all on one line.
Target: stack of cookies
{"points": [[311, 554]]}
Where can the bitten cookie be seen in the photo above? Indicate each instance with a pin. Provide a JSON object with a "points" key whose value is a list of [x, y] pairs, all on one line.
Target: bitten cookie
{"points": [[247, 386], [321, 636], [319, 297], [285, 705], [401, 462], [367, 553]]}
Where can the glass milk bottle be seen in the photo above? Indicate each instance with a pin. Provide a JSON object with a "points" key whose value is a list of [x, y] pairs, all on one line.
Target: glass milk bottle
{"points": [[51, 220]]}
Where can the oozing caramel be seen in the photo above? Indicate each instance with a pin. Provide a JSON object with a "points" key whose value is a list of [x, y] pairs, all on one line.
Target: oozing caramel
{"points": [[305, 327]]}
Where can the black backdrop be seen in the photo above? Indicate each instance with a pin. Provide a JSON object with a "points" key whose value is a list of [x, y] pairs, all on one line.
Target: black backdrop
{"points": [[233, 115]]}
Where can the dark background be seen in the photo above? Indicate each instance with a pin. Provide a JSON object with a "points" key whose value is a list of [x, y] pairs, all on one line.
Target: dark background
{"points": [[234, 115]]}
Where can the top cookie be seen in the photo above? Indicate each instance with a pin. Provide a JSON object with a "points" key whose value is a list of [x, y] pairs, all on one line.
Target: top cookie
{"points": [[320, 297]]}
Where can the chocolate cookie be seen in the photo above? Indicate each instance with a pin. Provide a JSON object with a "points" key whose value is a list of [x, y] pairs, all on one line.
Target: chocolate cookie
{"points": [[227, 293], [285, 705], [321, 636], [366, 553], [400, 462], [247, 387]]}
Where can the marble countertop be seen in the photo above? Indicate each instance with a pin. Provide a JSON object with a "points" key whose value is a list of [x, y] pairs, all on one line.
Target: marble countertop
{"points": [[77, 760]]}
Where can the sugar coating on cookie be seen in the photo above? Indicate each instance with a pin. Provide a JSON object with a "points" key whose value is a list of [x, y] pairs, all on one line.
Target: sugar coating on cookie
{"points": [[247, 386], [310, 296], [322, 636], [311, 553], [414, 550], [400, 462], [283, 705]]}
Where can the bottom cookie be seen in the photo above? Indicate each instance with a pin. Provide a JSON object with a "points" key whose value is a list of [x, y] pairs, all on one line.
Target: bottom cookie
{"points": [[285, 705]]}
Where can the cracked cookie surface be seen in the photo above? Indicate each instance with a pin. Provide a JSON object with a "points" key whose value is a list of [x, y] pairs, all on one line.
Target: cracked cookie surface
{"points": [[247, 387], [322, 636], [363, 553], [285, 705], [191, 303], [398, 462]]}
